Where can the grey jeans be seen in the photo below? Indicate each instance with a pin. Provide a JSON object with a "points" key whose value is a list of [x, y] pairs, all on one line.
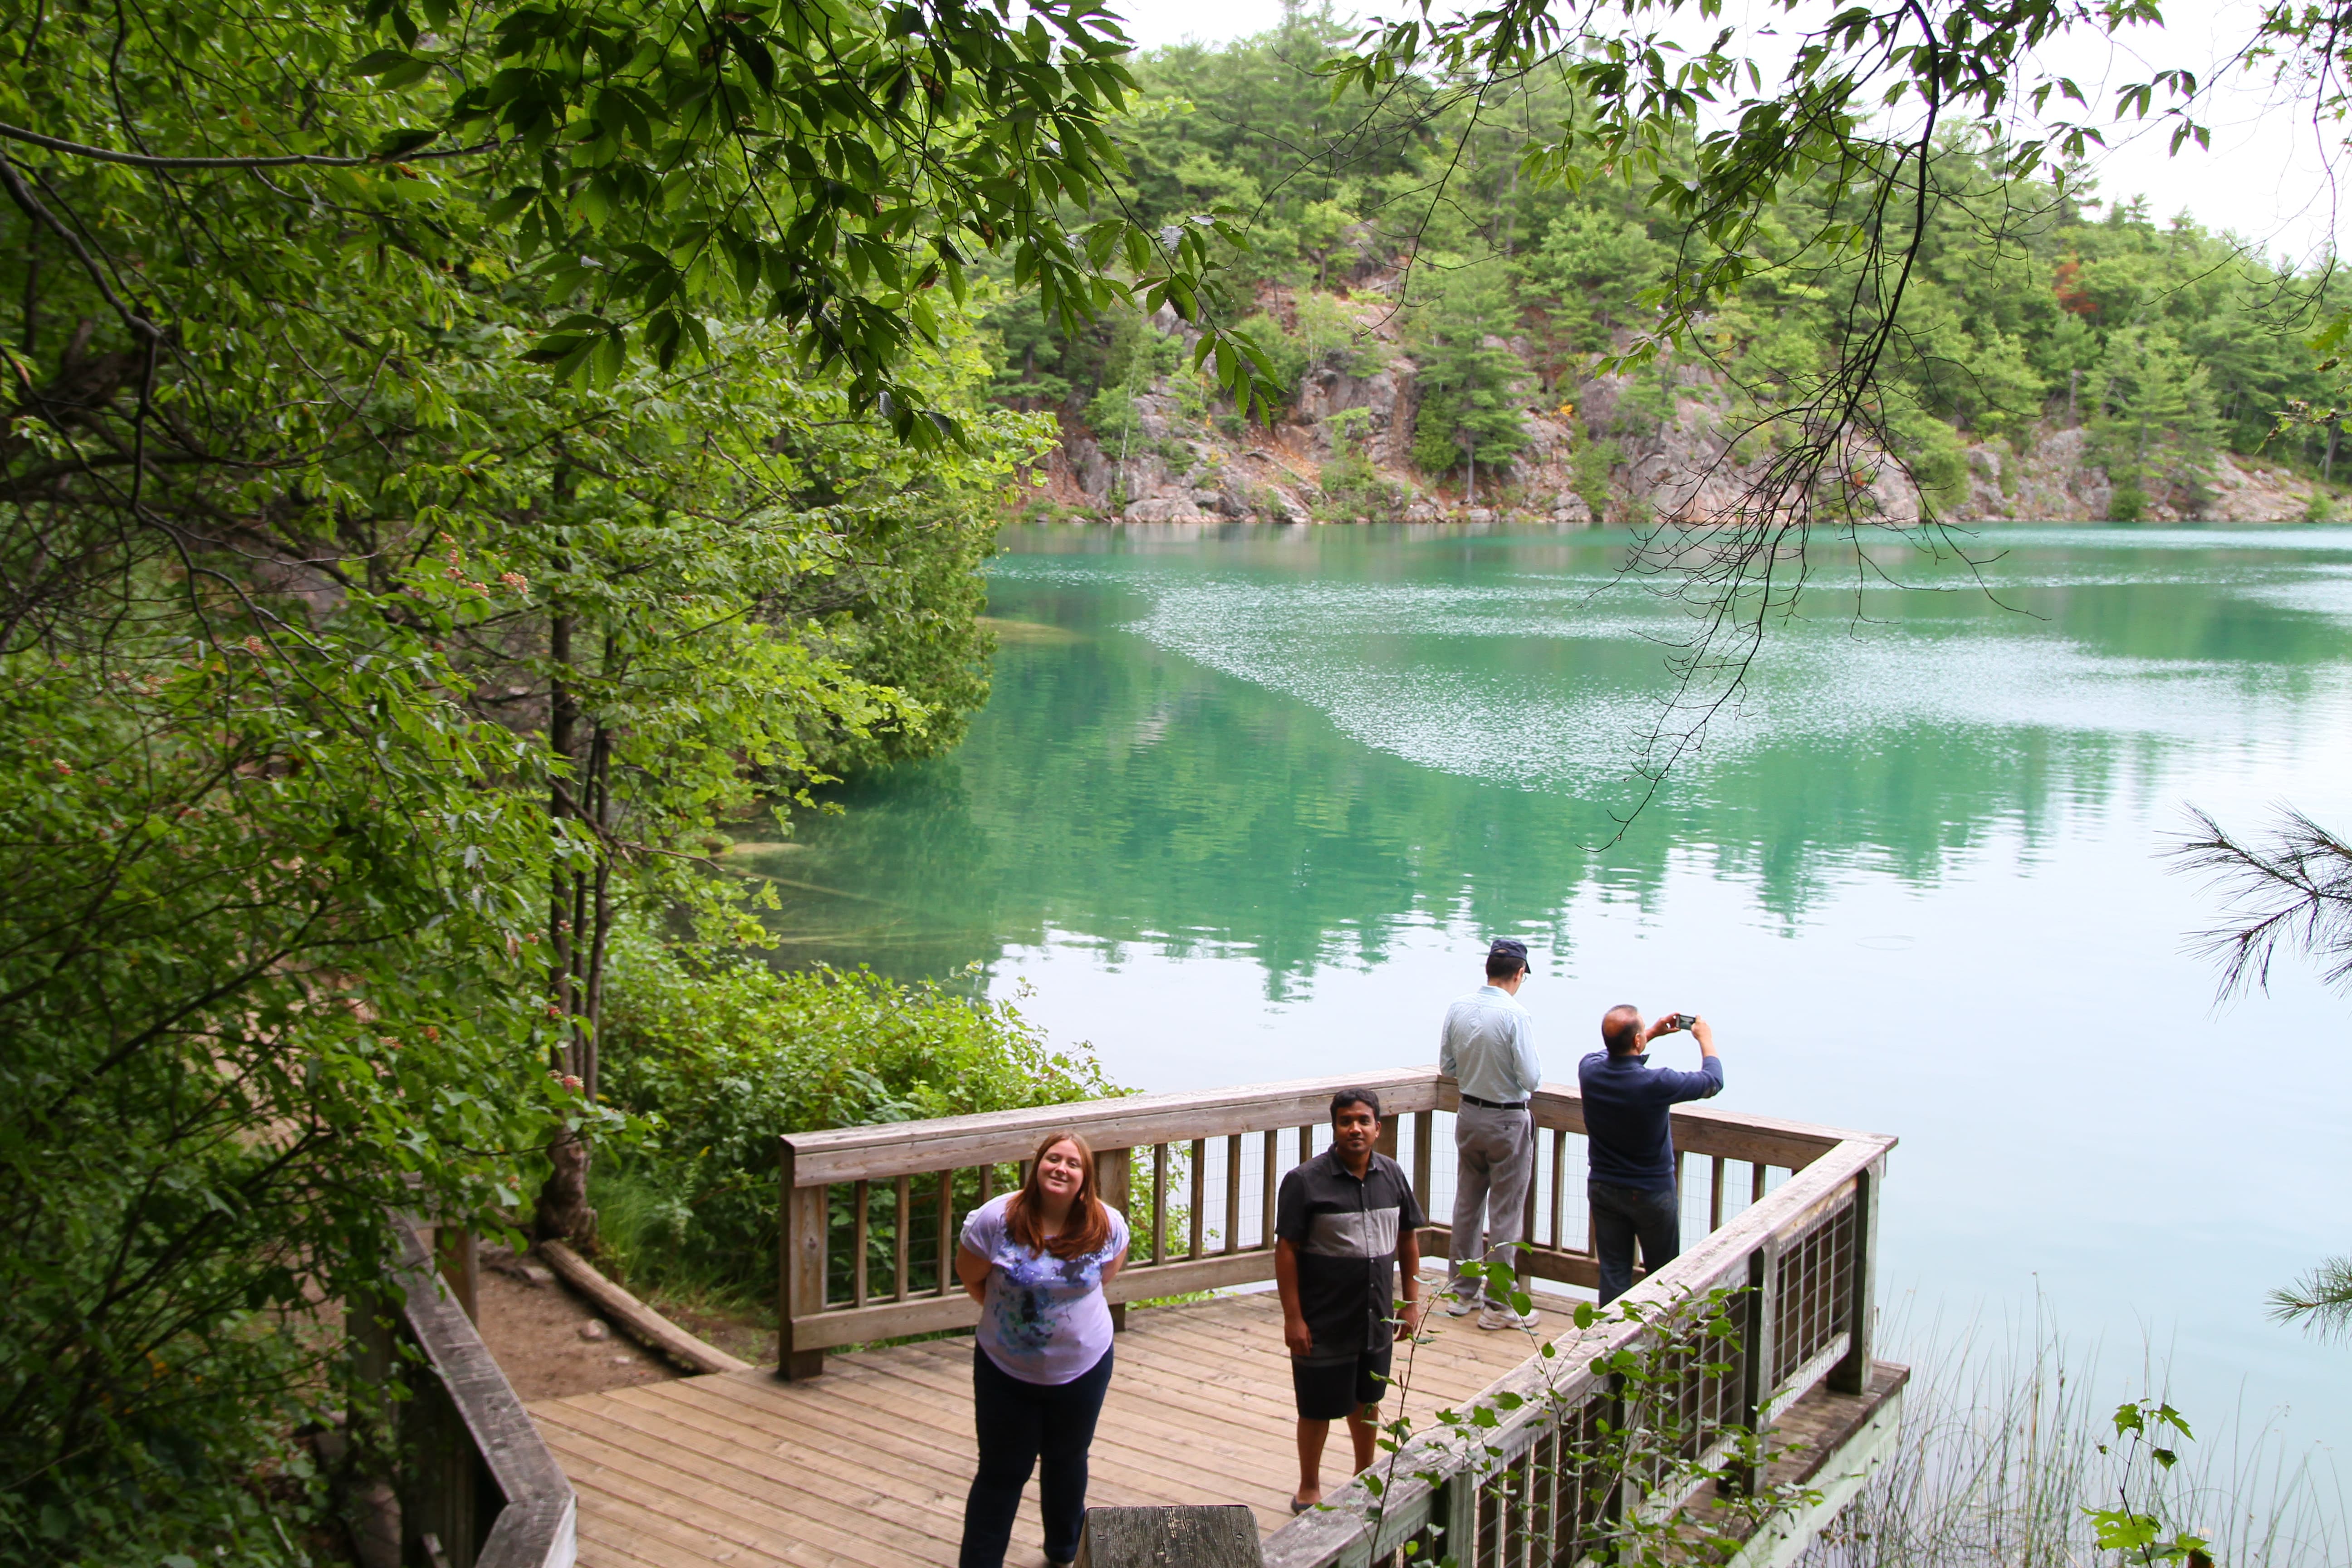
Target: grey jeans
{"points": [[1494, 1160]]}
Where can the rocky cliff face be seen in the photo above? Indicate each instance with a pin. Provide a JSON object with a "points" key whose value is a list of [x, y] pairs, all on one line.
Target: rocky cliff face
{"points": [[2057, 481], [1589, 460]]}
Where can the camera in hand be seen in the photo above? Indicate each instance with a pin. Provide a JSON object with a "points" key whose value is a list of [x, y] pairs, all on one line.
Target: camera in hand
{"points": [[1684, 1020]]}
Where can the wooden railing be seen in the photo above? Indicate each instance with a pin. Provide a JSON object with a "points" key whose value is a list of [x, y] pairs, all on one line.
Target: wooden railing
{"points": [[477, 1486], [871, 1214], [1548, 1477]]}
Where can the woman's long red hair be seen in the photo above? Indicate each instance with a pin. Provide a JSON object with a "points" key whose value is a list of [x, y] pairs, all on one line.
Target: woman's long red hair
{"points": [[1089, 1224]]}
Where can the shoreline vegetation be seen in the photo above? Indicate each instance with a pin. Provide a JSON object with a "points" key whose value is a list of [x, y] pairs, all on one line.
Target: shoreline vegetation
{"points": [[2007, 1447], [718, 1057]]}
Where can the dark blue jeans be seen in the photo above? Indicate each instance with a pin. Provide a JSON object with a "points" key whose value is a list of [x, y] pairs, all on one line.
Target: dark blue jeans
{"points": [[1019, 1424], [1620, 1217]]}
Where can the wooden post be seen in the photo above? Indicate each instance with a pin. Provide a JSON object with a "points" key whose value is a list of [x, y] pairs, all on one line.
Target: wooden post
{"points": [[1233, 1193], [1198, 1535], [1159, 1204], [1424, 1124], [1455, 1510], [901, 1225], [1559, 1189], [800, 1285], [439, 1480], [454, 1252], [1528, 1210], [1199, 1187], [1759, 1331], [1270, 1180], [948, 1234], [1111, 1166], [1851, 1374], [858, 1239]]}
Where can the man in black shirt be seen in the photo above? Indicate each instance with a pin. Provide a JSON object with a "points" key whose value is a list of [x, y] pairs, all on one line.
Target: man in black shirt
{"points": [[1344, 1220], [1628, 1107]]}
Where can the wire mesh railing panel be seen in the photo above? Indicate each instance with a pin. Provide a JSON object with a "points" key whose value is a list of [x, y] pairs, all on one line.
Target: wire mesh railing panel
{"points": [[1814, 1291], [1580, 1502]]}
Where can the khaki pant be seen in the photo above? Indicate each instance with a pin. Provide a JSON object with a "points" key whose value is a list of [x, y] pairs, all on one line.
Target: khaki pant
{"points": [[1494, 1160]]}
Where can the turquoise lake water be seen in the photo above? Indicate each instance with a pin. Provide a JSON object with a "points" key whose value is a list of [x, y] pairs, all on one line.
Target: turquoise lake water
{"points": [[1248, 801]]}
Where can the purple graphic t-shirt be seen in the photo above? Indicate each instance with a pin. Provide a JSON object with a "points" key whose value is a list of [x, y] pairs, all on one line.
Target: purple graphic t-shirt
{"points": [[1044, 1319]]}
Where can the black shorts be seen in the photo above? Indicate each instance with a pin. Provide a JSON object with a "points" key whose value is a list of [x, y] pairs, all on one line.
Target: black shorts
{"points": [[1334, 1390]]}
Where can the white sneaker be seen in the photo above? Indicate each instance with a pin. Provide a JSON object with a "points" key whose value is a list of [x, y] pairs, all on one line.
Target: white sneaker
{"points": [[1499, 1317], [1461, 1304]]}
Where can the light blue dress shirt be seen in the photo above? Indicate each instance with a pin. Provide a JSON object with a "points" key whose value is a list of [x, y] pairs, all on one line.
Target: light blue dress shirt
{"points": [[1489, 1047]]}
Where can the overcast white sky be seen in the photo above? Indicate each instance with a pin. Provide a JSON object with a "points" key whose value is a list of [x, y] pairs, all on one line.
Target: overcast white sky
{"points": [[2266, 178]]}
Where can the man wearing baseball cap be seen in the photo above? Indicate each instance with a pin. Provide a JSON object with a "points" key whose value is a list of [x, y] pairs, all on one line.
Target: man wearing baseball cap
{"points": [[1487, 1048]]}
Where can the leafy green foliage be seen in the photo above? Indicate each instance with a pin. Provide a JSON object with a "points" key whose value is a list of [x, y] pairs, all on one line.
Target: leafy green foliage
{"points": [[723, 1057], [2134, 1526], [2155, 418], [649, 165], [260, 970], [383, 635], [1472, 382]]}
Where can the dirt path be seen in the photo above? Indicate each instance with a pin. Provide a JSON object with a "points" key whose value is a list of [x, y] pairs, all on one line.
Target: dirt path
{"points": [[535, 1330], [534, 1326]]}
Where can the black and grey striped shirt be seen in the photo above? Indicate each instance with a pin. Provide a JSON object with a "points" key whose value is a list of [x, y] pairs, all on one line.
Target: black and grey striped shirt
{"points": [[1345, 1230]]}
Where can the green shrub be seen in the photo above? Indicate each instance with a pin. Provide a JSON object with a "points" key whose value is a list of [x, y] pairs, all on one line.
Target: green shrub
{"points": [[1285, 351], [724, 1055], [1590, 466], [1351, 484]]}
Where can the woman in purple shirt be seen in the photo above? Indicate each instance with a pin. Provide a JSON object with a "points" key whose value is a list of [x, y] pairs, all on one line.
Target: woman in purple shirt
{"points": [[1036, 1260]]}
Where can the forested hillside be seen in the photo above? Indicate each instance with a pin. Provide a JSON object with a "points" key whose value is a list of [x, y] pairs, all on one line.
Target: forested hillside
{"points": [[1436, 317]]}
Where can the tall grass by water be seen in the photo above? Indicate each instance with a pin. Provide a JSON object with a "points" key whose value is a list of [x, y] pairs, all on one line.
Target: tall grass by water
{"points": [[2000, 1458]]}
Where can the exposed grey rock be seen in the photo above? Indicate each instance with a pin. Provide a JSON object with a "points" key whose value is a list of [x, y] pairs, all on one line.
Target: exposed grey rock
{"points": [[594, 1329], [1175, 468]]}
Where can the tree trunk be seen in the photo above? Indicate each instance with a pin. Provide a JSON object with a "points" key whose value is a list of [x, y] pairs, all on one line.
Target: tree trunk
{"points": [[590, 1019], [563, 1214], [562, 718]]}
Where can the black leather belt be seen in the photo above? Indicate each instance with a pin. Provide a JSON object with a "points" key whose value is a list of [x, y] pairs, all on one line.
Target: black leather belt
{"points": [[1495, 1104]]}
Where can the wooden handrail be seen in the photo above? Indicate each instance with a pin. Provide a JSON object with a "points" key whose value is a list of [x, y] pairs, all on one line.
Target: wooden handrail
{"points": [[893, 1148], [474, 1472]]}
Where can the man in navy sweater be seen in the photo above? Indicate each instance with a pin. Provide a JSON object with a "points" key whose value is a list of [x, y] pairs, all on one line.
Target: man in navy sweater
{"points": [[1627, 1106]]}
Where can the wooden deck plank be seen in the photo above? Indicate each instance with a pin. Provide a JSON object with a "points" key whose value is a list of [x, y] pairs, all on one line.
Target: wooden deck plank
{"points": [[1130, 1445], [822, 1530], [784, 1473], [867, 1466], [614, 1499], [614, 1541], [712, 1415]]}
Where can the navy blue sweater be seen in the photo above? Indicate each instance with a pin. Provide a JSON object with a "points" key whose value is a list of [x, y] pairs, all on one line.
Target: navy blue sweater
{"points": [[1627, 1104]]}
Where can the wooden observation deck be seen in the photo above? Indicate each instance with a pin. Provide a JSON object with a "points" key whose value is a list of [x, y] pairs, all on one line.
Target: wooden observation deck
{"points": [[859, 1454]]}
